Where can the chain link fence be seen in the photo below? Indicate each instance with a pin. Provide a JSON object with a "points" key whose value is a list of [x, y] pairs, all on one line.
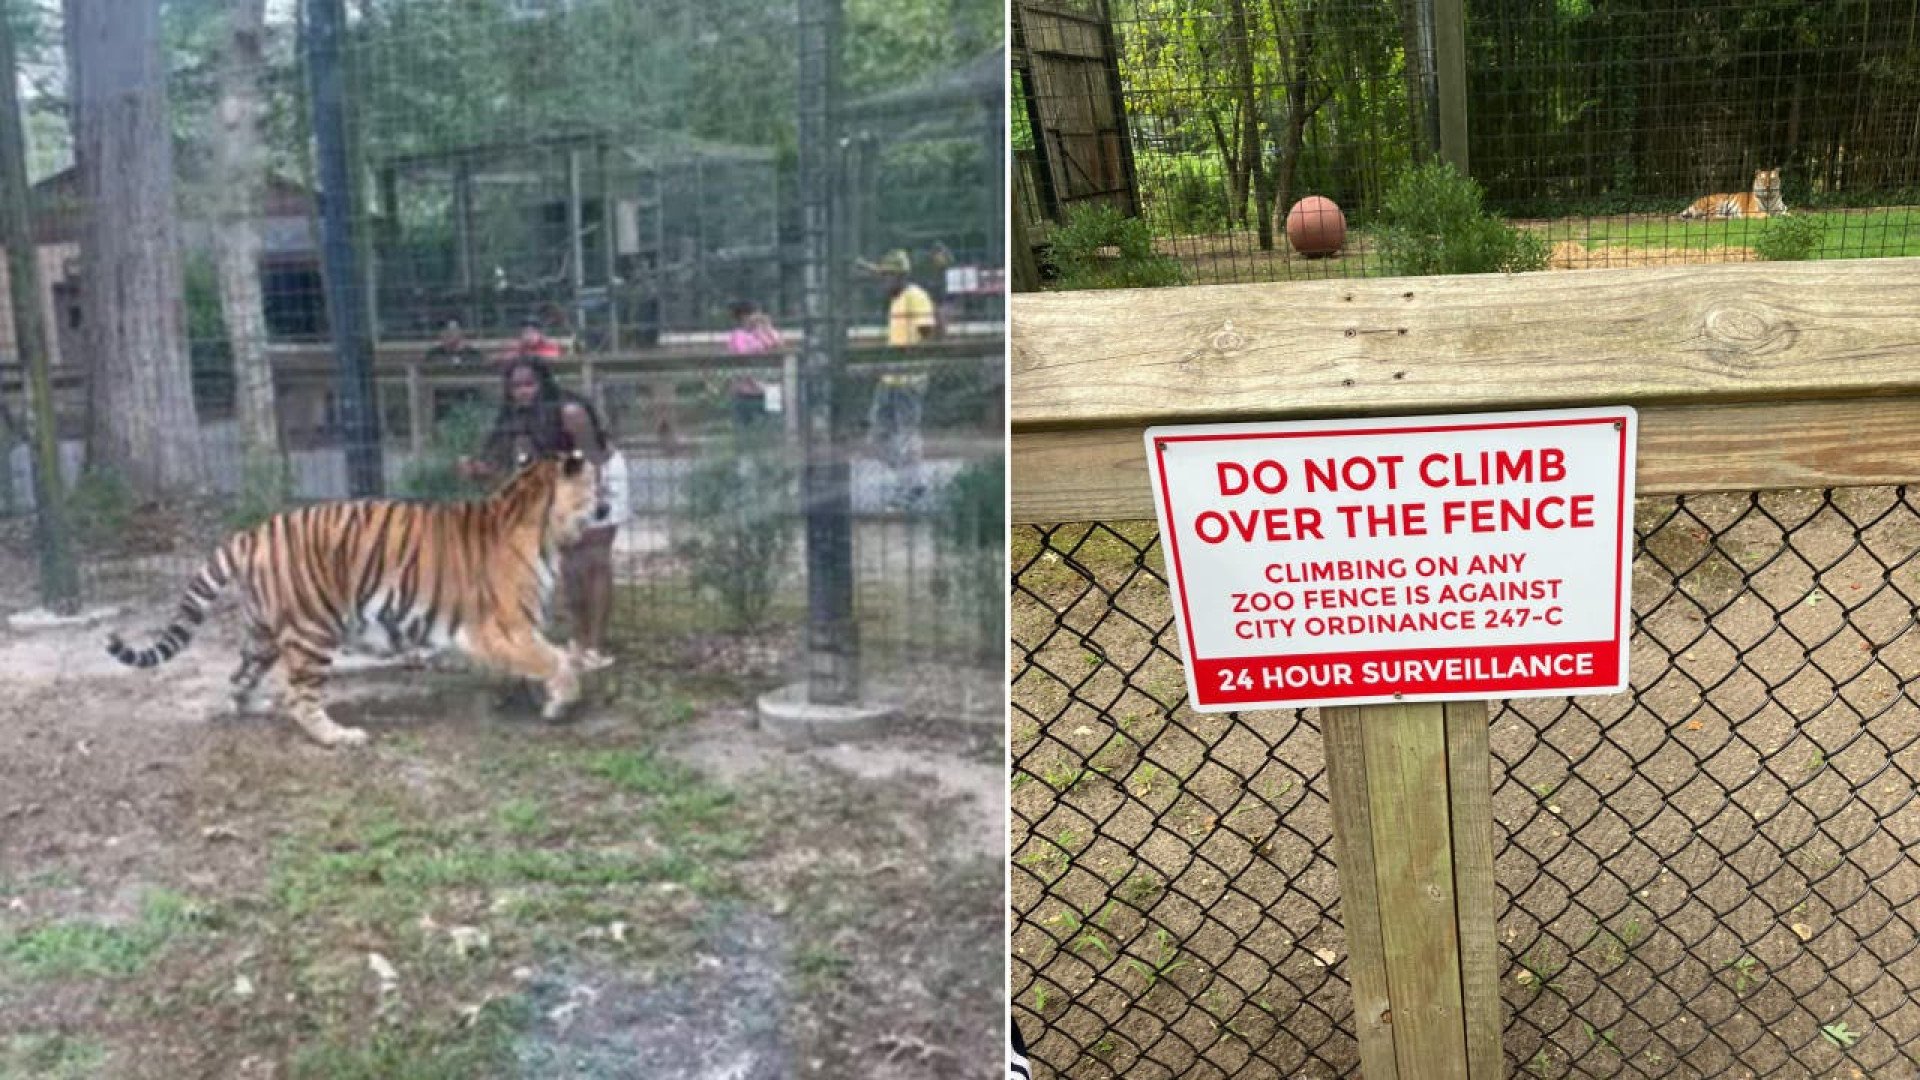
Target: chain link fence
{"points": [[1594, 134], [612, 190], [1715, 875]]}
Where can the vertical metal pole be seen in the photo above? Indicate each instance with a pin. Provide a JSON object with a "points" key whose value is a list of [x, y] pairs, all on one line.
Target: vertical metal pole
{"points": [[833, 670], [576, 247], [59, 580], [1450, 75], [340, 261]]}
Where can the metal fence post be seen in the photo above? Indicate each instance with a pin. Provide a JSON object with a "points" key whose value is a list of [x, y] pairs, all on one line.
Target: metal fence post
{"points": [[832, 644], [346, 296], [59, 579], [1450, 72]]}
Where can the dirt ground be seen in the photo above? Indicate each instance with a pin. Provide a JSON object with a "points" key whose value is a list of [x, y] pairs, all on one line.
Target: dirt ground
{"points": [[657, 888], [1717, 875]]}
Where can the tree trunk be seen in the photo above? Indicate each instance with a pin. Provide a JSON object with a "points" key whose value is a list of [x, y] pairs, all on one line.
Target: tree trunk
{"points": [[241, 168], [1250, 156], [141, 385]]}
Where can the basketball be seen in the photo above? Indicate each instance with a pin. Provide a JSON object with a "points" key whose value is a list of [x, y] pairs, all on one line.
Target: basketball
{"points": [[1315, 227]]}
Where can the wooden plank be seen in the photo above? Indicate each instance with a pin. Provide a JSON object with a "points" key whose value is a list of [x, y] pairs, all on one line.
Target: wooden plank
{"points": [[1359, 900], [1101, 474], [1736, 333], [1406, 755], [419, 413], [1469, 785]]}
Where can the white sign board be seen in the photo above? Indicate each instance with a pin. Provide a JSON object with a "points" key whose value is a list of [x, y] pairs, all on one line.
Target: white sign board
{"points": [[1413, 559]]}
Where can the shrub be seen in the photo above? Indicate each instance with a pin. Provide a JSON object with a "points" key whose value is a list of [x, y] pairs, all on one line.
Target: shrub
{"points": [[1079, 252], [1188, 192], [1432, 222], [1789, 239], [434, 474], [266, 487], [736, 527], [970, 532], [100, 507]]}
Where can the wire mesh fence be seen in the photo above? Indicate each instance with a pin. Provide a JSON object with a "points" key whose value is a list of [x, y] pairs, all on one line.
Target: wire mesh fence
{"points": [[1594, 134], [1715, 875], [608, 188]]}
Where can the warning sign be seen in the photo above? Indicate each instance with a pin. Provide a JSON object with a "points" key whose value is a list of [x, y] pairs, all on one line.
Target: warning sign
{"points": [[1416, 559]]}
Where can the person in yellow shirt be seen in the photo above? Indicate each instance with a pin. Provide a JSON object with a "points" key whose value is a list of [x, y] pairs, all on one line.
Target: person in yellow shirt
{"points": [[894, 418], [911, 315]]}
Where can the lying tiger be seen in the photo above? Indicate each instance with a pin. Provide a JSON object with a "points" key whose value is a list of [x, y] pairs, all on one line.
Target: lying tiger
{"points": [[396, 577], [1762, 202]]}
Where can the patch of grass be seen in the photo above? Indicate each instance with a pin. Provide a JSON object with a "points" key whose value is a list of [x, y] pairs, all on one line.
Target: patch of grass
{"points": [[1839, 1034], [1874, 234], [53, 1056], [1616, 945], [522, 816], [1746, 973], [1137, 889], [482, 1048], [1539, 971], [80, 947], [1063, 776], [1166, 962], [820, 965], [692, 809]]}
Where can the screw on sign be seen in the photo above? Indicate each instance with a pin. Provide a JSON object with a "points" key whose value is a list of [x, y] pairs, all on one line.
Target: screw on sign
{"points": [[1426, 558]]}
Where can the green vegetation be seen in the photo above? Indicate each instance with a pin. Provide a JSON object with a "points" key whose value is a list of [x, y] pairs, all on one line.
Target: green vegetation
{"points": [[1432, 222], [1101, 248], [734, 530], [65, 949], [434, 474], [1859, 234], [970, 533]]}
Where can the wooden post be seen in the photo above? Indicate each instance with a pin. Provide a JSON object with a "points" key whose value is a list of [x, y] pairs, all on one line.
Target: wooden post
{"points": [[576, 249], [419, 408], [1410, 788], [1450, 71], [1026, 272], [59, 575], [463, 245], [612, 258], [790, 394]]}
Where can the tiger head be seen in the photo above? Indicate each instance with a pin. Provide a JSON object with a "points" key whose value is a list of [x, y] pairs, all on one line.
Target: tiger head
{"points": [[577, 501], [1766, 184]]}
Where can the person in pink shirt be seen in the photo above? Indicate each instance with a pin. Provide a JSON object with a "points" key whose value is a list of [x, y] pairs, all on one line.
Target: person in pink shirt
{"points": [[753, 335]]}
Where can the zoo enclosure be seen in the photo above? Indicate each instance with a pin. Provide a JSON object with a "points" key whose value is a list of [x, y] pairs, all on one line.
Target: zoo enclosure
{"points": [[620, 175], [1712, 875], [1593, 123]]}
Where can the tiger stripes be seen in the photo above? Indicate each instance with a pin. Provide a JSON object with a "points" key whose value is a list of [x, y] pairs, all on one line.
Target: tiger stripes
{"points": [[391, 576]]}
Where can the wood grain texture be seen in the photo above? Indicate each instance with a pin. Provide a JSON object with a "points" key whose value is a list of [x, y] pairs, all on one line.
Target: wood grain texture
{"points": [[1470, 794], [1680, 335], [1359, 896], [1101, 474], [1406, 754]]}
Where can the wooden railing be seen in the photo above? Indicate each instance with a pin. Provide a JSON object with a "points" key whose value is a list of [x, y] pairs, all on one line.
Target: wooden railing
{"points": [[1746, 377]]}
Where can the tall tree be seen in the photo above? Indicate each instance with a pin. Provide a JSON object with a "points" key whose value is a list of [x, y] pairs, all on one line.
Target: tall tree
{"points": [[240, 172], [140, 384]]}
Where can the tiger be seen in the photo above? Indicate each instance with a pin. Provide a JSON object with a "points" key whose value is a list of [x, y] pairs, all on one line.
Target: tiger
{"points": [[1762, 202], [395, 577]]}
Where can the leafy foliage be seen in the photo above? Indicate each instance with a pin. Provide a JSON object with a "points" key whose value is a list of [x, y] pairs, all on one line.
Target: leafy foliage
{"points": [[1789, 239], [434, 475], [735, 526], [970, 531], [1080, 252], [1432, 222]]}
